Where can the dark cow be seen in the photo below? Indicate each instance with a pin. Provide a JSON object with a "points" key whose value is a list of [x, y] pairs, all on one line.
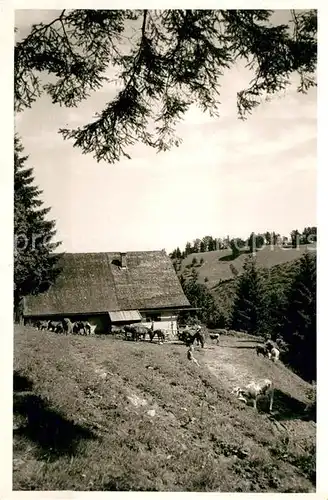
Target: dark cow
{"points": [[76, 327], [160, 335], [269, 345], [136, 331], [190, 334], [130, 329], [42, 325], [260, 349], [82, 327], [51, 326], [87, 327], [55, 326]]}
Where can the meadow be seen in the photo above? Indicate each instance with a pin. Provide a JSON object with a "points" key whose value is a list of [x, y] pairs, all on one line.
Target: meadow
{"points": [[104, 414]]}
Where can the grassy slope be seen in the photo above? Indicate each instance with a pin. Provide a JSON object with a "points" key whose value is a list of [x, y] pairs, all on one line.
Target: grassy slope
{"points": [[216, 264], [77, 429]]}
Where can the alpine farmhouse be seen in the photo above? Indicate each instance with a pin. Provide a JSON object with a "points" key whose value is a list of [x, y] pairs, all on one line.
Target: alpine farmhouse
{"points": [[112, 289]]}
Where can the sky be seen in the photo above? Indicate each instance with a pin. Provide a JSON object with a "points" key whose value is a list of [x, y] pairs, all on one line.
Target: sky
{"points": [[228, 177]]}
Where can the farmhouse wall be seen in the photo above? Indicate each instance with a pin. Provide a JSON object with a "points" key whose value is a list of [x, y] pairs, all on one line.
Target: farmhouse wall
{"points": [[166, 321]]}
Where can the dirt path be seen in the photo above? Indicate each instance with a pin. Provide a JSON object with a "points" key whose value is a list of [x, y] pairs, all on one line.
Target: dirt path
{"points": [[227, 361], [235, 363]]}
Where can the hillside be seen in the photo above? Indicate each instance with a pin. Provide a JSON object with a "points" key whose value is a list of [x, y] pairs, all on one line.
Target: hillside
{"points": [[217, 264], [224, 291], [100, 413]]}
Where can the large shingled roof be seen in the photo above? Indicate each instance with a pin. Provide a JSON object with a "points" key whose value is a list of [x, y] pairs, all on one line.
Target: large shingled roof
{"points": [[94, 283]]}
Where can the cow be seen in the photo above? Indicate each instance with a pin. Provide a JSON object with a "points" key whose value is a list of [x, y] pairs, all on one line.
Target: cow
{"points": [[215, 336], [55, 326], [76, 327], [274, 354], [87, 327], [160, 333], [136, 331], [200, 338], [260, 349], [42, 325], [269, 345], [79, 327], [67, 326], [254, 390], [190, 334]]}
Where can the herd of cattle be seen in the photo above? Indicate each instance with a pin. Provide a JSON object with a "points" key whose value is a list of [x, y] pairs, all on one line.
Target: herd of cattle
{"points": [[135, 332], [251, 392], [189, 335], [65, 326]]}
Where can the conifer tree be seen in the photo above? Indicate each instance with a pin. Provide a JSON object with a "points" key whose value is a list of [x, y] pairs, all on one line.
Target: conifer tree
{"points": [[188, 248], [278, 283], [300, 324], [234, 245], [295, 237], [35, 264], [199, 296], [249, 311], [252, 243]]}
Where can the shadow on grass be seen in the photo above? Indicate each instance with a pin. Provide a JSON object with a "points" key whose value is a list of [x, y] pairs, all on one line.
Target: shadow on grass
{"points": [[230, 256], [255, 341], [241, 347], [47, 428], [286, 407], [21, 383]]}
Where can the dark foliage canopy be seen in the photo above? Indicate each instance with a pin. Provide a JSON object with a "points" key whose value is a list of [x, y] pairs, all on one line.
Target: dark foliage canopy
{"points": [[199, 296], [34, 261], [165, 60], [249, 310], [301, 318]]}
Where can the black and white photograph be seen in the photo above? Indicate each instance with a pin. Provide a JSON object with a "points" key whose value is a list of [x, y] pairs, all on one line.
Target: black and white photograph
{"points": [[165, 250]]}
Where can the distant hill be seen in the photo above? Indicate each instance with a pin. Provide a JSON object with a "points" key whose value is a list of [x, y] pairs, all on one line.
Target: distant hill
{"points": [[218, 265], [224, 291], [219, 271]]}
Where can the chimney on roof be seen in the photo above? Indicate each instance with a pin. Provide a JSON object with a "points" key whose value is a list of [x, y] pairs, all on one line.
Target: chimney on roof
{"points": [[123, 260]]}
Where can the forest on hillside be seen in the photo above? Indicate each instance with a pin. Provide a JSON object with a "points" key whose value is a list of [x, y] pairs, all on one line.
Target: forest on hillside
{"points": [[277, 303]]}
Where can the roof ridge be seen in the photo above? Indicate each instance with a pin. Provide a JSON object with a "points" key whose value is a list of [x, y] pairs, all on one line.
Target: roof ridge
{"points": [[115, 252]]}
